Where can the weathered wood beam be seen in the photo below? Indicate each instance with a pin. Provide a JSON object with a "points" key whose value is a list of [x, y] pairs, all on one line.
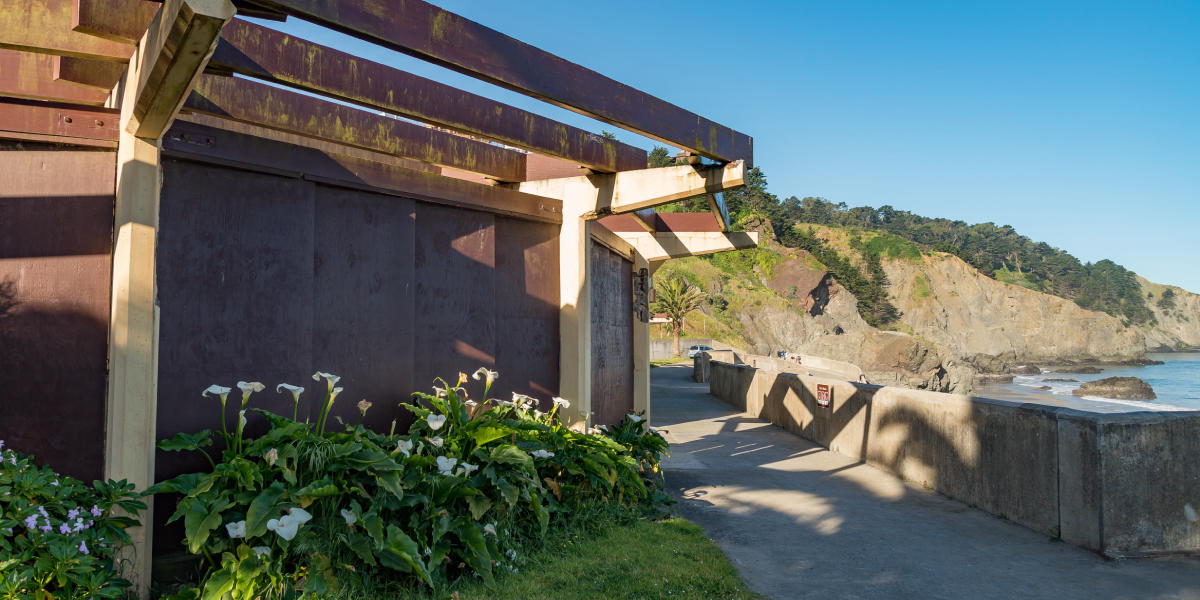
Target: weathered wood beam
{"points": [[99, 74], [307, 142], [662, 246], [58, 123], [630, 191], [263, 53], [209, 144], [173, 55], [119, 20], [29, 75], [260, 104], [45, 26], [425, 31]]}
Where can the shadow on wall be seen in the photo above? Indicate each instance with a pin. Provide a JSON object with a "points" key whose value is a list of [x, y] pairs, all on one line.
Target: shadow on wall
{"points": [[1116, 483], [53, 380]]}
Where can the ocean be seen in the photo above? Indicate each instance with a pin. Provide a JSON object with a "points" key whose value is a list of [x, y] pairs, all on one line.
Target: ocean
{"points": [[1176, 382]]}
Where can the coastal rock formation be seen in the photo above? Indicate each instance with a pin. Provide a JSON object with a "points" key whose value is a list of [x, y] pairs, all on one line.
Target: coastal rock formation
{"points": [[1025, 370], [1178, 317], [946, 301], [1121, 388], [1079, 370]]}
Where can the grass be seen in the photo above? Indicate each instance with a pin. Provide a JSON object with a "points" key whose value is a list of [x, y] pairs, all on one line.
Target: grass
{"points": [[669, 361], [642, 560]]}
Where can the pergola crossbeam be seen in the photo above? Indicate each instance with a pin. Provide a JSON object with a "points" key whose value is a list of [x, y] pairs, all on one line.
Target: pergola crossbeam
{"points": [[262, 53], [425, 31], [45, 26], [266, 106], [631, 191], [662, 246], [29, 75]]}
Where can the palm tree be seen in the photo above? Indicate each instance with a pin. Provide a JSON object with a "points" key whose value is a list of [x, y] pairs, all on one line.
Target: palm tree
{"points": [[675, 297]]}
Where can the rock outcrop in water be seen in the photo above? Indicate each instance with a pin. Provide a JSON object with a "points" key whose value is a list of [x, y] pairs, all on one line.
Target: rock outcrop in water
{"points": [[1121, 388]]}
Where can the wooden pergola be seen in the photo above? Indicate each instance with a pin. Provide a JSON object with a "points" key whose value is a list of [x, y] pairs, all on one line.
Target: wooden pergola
{"points": [[143, 76]]}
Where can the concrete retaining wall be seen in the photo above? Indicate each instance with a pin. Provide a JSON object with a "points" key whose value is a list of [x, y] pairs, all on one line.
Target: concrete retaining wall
{"points": [[1124, 484], [661, 348]]}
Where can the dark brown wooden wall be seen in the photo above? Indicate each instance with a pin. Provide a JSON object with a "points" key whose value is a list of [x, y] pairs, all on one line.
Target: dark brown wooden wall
{"points": [[612, 335], [269, 278], [56, 220]]}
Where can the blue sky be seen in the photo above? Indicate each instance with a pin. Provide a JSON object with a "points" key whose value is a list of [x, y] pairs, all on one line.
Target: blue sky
{"points": [[1076, 123]]}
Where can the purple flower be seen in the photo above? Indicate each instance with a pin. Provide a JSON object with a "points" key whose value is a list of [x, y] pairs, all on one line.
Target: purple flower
{"points": [[72, 514], [1, 444], [31, 522], [42, 510], [96, 512], [64, 529], [83, 548]]}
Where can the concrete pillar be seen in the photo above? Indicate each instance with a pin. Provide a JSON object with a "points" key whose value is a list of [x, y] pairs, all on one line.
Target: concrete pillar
{"points": [[641, 351], [133, 329], [575, 307]]}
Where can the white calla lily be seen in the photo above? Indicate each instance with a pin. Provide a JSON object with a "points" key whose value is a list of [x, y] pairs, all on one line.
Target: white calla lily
{"points": [[218, 390], [249, 387], [261, 550], [562, 402], [635, 418], [486, 374], [436, 441], [330, 378], [435, 421], [446, 465], [236, 529], [404, 447], [349, 516]]}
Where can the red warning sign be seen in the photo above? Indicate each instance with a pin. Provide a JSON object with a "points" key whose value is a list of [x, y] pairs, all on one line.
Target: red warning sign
{"points": [[824, 395]]}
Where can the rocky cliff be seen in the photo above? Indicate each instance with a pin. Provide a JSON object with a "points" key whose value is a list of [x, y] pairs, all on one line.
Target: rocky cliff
{"points": [[1178, 324], [946, 301]]}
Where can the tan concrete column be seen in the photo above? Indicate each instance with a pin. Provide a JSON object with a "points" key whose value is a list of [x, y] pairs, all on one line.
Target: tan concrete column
{"points": [[133, 330], [575, 306], [641, 351]]}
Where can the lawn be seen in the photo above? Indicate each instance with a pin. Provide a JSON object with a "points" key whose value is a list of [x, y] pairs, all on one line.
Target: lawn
{"points": [[641, 560], [669, 361]]}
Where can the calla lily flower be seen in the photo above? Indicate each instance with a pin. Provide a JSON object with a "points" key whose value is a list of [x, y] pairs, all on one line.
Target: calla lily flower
{"points": [[436, 421], [330, 378], [272, 456], [349, 516], [363, 405], [217, 390], [294, 389], [261, 550], [540, 453], [635, 418], [467, 469], [249, 387], [436, 441], [439, 392], [236, 529], [562, 402], [490, 528], [471, 403], [299, 514], [405, 447], [486, 374], [446, 465]]}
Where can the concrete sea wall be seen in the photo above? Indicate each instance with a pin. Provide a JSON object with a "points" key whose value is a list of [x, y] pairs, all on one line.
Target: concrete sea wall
{"points": [[1123, 484]]}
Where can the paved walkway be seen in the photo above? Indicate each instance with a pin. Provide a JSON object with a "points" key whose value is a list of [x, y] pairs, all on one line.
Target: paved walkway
{"points": [[799, 521]]}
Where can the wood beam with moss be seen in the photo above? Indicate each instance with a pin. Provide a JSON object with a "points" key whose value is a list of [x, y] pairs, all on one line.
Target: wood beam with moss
{"points": [[662, 246]]}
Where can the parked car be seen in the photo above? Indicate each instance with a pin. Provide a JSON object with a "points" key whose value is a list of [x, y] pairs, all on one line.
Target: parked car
{"points": [[694, 350]]}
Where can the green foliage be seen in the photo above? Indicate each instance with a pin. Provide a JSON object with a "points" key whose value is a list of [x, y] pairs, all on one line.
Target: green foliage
{"points": [[675, 298], [59, 537], [760, 260], [869, 284], [921, 286], [1167, 300], [659, 157], [997, 251], [310, 511]]}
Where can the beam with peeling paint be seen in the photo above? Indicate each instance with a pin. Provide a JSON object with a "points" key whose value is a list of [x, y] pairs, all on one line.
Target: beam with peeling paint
{"points": [[262, 53], [631, 191], [119, 20], [99, 74], [656, 247], [44, 26], [175, 50], [59, 123], [255, 103], [425, 31], [29, 75]]}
